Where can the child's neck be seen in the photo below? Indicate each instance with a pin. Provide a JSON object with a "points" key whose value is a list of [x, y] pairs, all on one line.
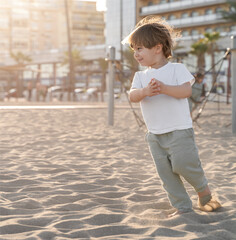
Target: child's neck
{"points": [[158, 64]]}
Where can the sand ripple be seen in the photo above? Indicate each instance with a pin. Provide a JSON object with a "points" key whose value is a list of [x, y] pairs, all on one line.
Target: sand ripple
{"points": [[66, 175]]}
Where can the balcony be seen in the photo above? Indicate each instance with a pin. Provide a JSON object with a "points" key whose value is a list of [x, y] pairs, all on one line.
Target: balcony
{"points": [[197, 21], [176, 6]]}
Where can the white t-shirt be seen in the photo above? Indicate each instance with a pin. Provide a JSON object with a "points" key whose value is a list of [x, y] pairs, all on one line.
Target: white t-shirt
{"points": [[162, 113]]}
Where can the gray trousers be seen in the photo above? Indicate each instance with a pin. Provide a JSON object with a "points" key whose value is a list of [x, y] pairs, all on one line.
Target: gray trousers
{"points": [[175, 154]]}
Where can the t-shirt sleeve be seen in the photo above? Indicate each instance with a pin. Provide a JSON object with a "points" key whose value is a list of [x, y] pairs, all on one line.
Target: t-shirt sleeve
{"points": [[136, 81], [183, 75]]}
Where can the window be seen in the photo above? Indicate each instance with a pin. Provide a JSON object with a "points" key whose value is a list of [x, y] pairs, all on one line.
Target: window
{"points": [[185, 33], [22, 23], [16, 32], [194, 14], [4, 23], [184, 15], [35, 15], [233, 28], [218, 10], [76, 17], [34, 26], [219, 29], [4, 44], [19, 44], [47, 15], [48, 44], [171, 17], [48, 26], [208, 11], [195, 32], [35, 44], [208, 30]]}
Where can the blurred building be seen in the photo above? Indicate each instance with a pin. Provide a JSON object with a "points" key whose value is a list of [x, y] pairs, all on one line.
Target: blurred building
{"points": [[29, 26], [192, 17], [33, 26], [120, 20], [37, 28], [87, 23]]}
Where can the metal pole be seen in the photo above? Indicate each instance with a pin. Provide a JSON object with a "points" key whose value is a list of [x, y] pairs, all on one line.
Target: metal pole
{"points": [[121, 31], [111, 74], [233, 89], [228, 77]]}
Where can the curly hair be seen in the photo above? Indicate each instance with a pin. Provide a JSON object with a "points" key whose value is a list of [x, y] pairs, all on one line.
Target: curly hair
{"points": [[152, 31]]}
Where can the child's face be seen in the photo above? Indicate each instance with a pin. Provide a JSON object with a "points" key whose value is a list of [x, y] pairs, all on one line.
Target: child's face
{"points": [[145, 56]]}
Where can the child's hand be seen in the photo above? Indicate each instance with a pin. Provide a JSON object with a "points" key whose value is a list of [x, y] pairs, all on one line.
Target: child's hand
{"points": [[160, 85], [153, 88]]}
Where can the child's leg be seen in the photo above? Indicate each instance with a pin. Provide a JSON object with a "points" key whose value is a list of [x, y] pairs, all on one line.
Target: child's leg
{"points": [[185, 161], [171, 181]]}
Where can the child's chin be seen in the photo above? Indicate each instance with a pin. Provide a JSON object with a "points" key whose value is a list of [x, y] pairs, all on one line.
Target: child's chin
{"points": [[143, 64]]}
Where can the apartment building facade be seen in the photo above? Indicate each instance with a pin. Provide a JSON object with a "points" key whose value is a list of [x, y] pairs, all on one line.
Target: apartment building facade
{"points": [[37, 28], [33, 26], [28, 26], [192, 17], [87, 23], [120, 20]]}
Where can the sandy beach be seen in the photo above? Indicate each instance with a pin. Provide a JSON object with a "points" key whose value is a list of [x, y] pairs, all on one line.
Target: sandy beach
{"points": [[66, 174]]}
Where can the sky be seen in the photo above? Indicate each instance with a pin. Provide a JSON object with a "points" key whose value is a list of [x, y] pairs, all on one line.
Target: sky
{"points": [[101, 4]]}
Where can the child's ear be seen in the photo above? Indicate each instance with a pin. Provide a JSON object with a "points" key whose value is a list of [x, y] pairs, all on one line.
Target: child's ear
{"points": [[159, 48]]}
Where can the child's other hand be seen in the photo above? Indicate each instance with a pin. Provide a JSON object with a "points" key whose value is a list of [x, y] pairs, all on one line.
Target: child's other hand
{"points": [[153, 88], [160, 85]]}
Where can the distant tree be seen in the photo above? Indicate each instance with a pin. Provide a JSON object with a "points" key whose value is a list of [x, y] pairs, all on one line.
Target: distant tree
{"points": [[131, 63], [103, 64], [230, 14], [76, 55], [77, 61], [21, 59], [128, 54], [211, 41], [199, 49], [178, 56]]}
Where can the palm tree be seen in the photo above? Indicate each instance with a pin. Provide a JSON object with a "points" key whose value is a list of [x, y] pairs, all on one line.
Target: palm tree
{"points": [[211, 41], [77, 59], [21, 59], [230, 14], [178, 56], [199, 49], [131, 63], [103, 64]]}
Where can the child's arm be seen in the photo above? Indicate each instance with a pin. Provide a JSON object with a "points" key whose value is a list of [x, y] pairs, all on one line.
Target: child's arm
{"points": [[181, 91], [137, 95], [156, 87]]}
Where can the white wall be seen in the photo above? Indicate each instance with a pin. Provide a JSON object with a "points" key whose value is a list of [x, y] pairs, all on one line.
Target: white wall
{"points": [[113, 22]]}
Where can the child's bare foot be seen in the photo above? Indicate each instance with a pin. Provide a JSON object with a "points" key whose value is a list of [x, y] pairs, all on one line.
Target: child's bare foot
{"points": [[178, 212], [174, 214], [210, 206]]}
